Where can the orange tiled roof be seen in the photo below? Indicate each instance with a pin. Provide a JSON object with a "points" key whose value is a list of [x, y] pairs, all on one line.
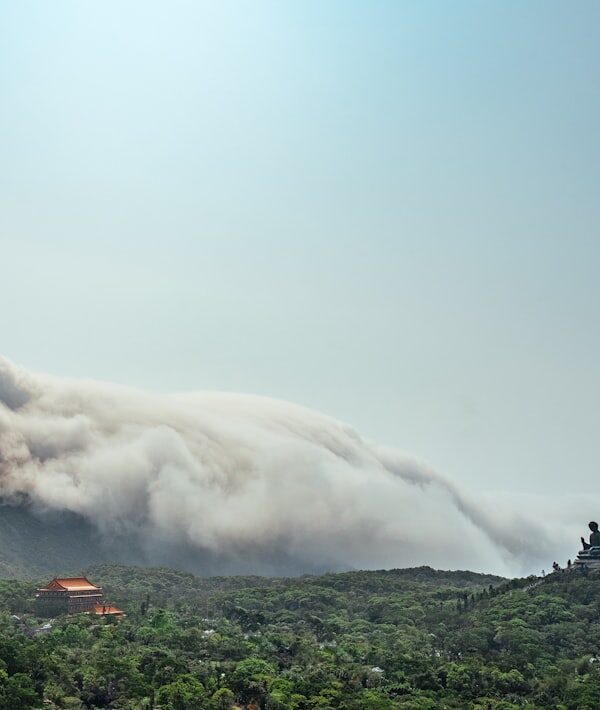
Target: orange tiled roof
{"points": [[105, 609], [72, 584]]}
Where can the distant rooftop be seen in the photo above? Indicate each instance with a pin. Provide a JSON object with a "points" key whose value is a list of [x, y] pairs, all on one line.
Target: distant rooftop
{"points": [[72, 584], [106, 610]]}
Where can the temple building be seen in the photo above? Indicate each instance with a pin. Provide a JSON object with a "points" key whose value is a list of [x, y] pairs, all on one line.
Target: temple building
{"points": [[106, 610], [73, 595]]}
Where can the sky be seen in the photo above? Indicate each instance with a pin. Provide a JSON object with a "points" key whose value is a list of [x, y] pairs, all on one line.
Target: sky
{"points": [[385, 211]]}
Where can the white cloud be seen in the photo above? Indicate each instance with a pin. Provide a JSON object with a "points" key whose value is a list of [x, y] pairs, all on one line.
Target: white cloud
{"points": [[247, 483]]}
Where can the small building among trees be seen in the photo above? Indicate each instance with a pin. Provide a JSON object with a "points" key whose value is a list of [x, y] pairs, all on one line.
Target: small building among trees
{"points": [[73, 595]]}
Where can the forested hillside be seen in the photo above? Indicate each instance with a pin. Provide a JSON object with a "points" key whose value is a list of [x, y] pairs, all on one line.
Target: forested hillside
{"points": [[379, 640]]}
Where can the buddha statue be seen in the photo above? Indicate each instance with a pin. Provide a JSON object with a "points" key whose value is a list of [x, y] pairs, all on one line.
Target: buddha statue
{"points": [[594, 537]]}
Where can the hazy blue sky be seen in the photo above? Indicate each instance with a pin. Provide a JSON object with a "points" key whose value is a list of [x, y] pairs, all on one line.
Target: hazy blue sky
{"points": [[387, 211]]}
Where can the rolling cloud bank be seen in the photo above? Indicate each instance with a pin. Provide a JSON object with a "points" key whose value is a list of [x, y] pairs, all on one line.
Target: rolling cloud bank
{"points": [[233, 483]]}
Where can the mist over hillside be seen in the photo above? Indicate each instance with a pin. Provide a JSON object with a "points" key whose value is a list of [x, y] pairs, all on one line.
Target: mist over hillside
{"points": [[32, 546], [226, 483], [37, 544]]}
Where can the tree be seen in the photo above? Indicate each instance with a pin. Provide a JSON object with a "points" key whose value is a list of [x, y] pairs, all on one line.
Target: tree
{"points": [[223, 699], [185, 693], [17, 692], [250, 678]]}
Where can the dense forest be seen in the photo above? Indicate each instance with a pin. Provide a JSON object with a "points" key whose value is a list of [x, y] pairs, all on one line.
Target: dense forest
{"points": [[381, 640]]}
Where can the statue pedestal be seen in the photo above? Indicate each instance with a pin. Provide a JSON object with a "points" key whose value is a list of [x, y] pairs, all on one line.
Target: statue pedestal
{"points": [[589, 558]]}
